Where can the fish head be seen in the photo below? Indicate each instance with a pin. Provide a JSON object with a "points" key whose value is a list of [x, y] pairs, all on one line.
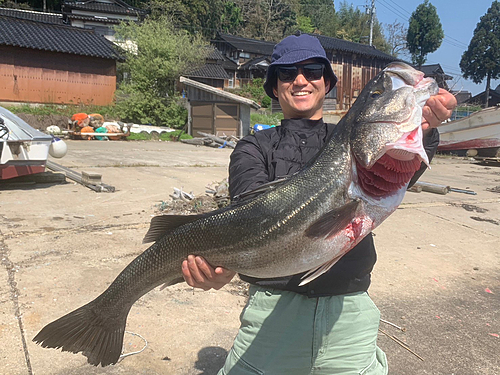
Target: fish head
{"points": [[386, 132]]}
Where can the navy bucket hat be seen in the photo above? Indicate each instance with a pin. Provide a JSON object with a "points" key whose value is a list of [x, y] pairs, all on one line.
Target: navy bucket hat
{"points": [[294, 49]]}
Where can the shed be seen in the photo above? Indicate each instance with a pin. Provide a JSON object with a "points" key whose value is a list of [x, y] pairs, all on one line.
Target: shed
{"points": [[216, 111]]}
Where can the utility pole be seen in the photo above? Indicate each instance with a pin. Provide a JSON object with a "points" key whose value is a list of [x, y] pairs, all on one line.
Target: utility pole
{"points": [[372, 13]]}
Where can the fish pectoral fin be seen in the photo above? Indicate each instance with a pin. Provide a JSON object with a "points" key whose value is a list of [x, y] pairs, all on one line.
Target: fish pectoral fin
{"points": [[333, 221], [316, 272], [163, 224]]}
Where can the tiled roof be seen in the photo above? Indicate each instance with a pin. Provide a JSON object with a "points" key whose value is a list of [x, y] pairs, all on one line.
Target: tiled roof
{"points": [[117, 7], [328, 43], [92, 18], [215, 91], [215, 54], [432, 70], [209, 71], [33, 16], [259, 62], [56, 38], [248, 45], [335, 44]]}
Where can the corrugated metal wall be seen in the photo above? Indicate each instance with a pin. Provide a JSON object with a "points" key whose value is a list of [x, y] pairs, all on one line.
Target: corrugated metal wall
{"points": [[48, 77]]}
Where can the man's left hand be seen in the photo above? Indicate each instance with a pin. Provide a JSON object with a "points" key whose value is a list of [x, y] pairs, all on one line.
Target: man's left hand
{"points": [[438, 109]]}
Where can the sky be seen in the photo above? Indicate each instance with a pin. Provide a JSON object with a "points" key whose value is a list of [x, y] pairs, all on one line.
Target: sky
{"points": [[458, 18]]}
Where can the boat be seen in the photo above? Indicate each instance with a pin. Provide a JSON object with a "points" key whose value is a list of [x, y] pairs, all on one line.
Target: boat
{"points": [[23, 149], [478, 133]]}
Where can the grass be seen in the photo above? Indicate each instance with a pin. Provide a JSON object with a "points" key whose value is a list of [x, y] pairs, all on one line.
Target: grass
{"points": [[266, 118], [108, 112], [165, 136]]}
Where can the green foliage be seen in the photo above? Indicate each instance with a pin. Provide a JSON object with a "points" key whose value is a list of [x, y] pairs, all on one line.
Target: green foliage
{"points": [[266, 118], [156, 59], [481, 59], [304, 24], [108, 112], [352, 24], [254, 90], [165, 136], [199, 16], [425, 32]]}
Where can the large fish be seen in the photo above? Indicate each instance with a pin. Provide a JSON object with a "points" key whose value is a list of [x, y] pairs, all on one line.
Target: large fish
{"points": [[303, 223]]}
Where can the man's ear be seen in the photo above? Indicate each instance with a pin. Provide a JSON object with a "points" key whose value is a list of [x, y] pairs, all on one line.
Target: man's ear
{"points": [[327, 86], [275, 91]]}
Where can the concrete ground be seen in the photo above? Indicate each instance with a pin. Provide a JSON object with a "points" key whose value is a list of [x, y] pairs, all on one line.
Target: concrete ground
{"points": [[437, 275]]}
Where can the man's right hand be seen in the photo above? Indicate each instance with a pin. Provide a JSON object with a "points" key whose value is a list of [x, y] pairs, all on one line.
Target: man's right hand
{"points": [[199, 274]]}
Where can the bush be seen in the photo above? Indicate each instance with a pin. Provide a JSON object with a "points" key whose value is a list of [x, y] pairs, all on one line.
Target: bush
{"points": [[147, 108], [266, 119]]}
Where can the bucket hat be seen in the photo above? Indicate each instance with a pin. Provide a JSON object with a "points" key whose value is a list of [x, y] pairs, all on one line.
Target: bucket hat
{"points": [[294, 49]]}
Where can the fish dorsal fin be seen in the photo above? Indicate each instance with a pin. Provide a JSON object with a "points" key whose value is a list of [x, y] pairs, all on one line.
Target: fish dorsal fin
{"points": [[333, 221], [163, 224], [261, 189]]}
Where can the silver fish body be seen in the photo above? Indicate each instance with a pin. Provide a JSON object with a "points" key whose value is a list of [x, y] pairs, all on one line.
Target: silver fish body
{"points": [[304, 223]]}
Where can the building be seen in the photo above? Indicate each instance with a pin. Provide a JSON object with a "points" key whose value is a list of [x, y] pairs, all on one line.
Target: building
{"points": [[246, 58], [216, 111], [100, 15], [213, 72], [354, 64], [435, 71], [46, 61], [479, 99]]}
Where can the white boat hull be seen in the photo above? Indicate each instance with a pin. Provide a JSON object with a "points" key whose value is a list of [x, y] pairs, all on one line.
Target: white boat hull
{"points": [[477, 131], [23, 149]]}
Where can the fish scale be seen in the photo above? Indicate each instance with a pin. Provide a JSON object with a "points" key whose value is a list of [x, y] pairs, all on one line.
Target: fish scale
{"points": [[305, 222]]}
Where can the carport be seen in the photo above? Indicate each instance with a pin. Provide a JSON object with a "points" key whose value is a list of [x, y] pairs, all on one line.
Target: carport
{"points": [[215, 111]]}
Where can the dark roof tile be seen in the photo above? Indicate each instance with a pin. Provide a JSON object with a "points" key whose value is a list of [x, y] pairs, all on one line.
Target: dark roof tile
{"points": [[249, 45], [209, 71], [54, 18], [55, 38], [117, 7], [335, 44]]}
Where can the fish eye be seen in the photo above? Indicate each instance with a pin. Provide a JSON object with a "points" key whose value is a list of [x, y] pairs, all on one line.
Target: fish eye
{"points": [[376, 94]]}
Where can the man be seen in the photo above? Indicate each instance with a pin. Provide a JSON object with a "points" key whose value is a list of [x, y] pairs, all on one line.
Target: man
{"points": [[330, 325]]}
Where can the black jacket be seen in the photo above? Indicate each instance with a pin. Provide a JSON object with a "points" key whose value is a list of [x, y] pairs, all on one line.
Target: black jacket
{"points": [[281, 151]]}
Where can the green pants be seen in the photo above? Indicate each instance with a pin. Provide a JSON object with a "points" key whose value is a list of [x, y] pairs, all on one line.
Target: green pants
{"points": [[290, 334]]}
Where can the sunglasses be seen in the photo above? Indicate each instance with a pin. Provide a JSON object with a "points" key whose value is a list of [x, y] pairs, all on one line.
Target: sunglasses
{"points": [[311, 72]]}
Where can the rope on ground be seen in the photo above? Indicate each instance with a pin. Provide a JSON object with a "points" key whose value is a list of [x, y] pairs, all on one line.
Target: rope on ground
{"points": [[137, 352]]}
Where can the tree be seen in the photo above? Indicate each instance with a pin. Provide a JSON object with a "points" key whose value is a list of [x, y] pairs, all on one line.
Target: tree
{"points": [[156, 56], [425, 32], [268, 19], [354, 25], [396, 38], [481, 59], [199, 16]]}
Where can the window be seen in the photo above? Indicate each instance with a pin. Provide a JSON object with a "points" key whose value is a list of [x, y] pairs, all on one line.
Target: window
{"points": [[230, 82], [245, 55]]}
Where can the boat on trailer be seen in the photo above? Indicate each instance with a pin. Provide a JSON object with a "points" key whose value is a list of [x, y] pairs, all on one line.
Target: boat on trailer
{"points": [[478, 134], [23, 149]]}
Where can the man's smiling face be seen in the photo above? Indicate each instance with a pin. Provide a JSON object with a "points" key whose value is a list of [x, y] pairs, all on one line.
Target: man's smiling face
{"points": [[302, 98]]}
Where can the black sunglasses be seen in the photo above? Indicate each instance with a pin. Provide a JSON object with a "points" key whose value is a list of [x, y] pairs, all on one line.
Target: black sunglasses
{"points": [[311, 72]]}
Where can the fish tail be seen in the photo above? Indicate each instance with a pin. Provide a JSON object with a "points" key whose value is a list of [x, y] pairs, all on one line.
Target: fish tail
{"points": [[99, 338]]}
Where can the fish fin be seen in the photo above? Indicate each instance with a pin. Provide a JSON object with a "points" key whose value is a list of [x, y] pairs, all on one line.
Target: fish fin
{"points": [[85, 330], [261, 189], [163, 224], [173, 282], [316, 272], [333, 221]]}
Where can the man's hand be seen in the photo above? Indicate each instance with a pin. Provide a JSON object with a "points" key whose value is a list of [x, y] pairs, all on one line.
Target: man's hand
{"points": [[438, 109], [199, 274]]}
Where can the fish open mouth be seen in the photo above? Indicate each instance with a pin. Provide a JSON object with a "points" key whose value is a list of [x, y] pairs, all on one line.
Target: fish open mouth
{"points": [[390, 173]]}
